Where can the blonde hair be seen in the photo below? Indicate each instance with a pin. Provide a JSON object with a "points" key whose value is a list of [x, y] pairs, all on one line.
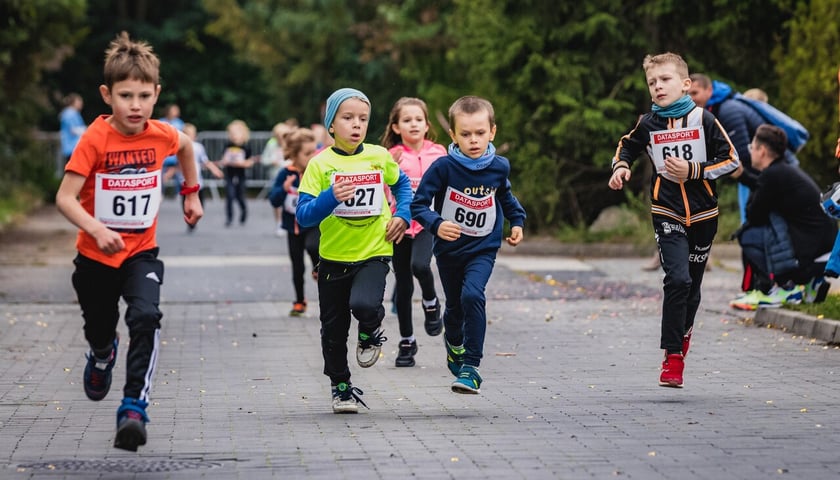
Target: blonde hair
{"points": [[190, 130], [652, 61], [294, 140], [280, 130], [126, 59], [757, 94], [239, 128], [471, 104], [389, 136]]}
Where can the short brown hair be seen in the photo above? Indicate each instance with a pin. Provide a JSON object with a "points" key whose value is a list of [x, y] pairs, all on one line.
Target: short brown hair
{"points": [[651, 61], [471, 104], [772, 137], [126, 59]]}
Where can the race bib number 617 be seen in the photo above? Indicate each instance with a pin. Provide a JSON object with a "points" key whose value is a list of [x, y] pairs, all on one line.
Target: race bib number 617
{"points": [[127, 201]]}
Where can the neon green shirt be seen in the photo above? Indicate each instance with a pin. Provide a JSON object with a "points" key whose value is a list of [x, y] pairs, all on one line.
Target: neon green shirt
{"points": [[349, 238]]}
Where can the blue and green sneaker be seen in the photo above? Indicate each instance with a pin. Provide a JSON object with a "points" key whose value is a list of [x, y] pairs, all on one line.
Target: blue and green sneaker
{"points": [[468, 381], [454, 357]]}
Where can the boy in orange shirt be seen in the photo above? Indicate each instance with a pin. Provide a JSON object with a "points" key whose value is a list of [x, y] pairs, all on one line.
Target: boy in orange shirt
{"points": [[112, 191]]}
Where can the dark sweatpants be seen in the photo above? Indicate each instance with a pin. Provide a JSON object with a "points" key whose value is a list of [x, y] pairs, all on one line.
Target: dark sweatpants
{"points": [[99, 288], [684, 252], [412, 259], [345, 288]]}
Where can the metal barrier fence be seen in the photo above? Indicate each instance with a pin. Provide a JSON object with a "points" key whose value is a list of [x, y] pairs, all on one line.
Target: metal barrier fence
{"points": [[256, 177]]}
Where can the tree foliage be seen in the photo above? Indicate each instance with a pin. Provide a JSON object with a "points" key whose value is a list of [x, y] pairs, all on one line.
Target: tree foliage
{"points": [[35, 36], [807, 68], [565, 77]]}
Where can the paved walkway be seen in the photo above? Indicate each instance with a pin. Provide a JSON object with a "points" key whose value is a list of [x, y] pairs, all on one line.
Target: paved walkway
{"points": [[570, 368]]}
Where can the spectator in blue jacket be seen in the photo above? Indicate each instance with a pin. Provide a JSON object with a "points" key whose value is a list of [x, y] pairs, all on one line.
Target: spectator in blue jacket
{"points": [[738, 119], [72, 124]]}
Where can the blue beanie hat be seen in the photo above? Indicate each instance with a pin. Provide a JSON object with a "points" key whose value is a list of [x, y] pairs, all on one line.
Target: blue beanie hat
{"points": [[336, 99]]}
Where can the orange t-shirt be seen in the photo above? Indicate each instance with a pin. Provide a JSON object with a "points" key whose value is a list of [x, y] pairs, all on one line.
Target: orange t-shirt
{"points": [[102, 149]]}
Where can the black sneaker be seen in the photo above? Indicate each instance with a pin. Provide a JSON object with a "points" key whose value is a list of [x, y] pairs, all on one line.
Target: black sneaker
{"points": [[131, 424], [97, 376], [433, 323], [346, 398], [405, 357], [368, 348]]}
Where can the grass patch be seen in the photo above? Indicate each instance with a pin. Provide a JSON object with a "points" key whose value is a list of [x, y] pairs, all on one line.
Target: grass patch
{"points": [[17, 203], [830, 308]]}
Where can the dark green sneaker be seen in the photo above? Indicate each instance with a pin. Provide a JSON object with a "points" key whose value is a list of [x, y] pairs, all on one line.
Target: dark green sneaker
{"points": [[454, 357]]}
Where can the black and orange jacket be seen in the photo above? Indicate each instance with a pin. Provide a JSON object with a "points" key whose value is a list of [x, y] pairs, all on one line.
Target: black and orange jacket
{"points": [[694, 199]]}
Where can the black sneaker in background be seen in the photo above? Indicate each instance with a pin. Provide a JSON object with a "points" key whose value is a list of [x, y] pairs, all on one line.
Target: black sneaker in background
{"points": [[433, 322], [405, 356]]}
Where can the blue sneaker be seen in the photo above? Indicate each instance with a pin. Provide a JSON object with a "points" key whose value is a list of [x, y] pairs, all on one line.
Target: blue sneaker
{"points": [[454, 357], [97, 376], [131, 424], [816, 290], [468, 381]]}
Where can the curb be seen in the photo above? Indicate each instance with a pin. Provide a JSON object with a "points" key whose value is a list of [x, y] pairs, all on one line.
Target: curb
{"points": [[823, 329]]}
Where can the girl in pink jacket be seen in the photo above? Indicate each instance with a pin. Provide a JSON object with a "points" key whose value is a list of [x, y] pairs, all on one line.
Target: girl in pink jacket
{"points": [[409, 138]]}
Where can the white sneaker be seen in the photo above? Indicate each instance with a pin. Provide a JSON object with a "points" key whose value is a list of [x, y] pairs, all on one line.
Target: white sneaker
{"points": [[368, 348], [346, 398]]}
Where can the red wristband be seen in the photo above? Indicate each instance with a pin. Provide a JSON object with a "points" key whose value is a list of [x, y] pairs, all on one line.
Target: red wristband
{"points": [[185, 190]]}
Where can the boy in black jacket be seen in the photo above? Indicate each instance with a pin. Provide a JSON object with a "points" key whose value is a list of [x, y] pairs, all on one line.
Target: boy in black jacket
{"points": [[689, 150]]}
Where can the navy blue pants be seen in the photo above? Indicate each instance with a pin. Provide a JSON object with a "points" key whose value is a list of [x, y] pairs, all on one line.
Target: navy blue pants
{"points": [[345, 288], [464, 282], [99, 288], [684, 252], [412, 259]]}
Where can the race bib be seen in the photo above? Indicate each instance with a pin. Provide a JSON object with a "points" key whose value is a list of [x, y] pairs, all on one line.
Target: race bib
{"points": [[686, 143], [290, 204], [368, 197], [476, 216], [415, 182], [127, 201]]}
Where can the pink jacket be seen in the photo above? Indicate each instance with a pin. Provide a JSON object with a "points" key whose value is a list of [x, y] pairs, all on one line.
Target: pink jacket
{"points": [[414, 165]]}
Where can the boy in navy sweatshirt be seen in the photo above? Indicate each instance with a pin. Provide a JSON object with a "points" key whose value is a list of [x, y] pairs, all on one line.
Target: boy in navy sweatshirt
{"points": [[470, 194]]}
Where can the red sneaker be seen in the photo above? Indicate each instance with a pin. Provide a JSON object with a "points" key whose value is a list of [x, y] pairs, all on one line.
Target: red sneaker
{"points": [[672, 371], [687, 341]]}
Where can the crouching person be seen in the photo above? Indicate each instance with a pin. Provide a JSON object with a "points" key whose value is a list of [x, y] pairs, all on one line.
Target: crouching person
{"points": [[787, 234]]}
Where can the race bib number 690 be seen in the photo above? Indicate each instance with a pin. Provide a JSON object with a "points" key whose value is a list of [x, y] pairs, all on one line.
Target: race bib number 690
{"points": [[127, 201]]}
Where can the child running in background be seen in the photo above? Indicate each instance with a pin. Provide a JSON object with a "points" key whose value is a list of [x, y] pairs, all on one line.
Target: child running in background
{"points": [[471, 196], [274, 160], [689, 150], [115, 168], [236, 158], [299, 146], [408, 137], [342, 192], [202, 161]]}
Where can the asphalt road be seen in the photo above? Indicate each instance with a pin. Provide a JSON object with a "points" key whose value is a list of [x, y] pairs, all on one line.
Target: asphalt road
{"points": [[571, 368]]}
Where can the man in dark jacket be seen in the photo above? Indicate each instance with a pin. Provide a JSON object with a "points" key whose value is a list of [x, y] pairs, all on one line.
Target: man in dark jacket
{"points": [[738, 119], [784, 209]]}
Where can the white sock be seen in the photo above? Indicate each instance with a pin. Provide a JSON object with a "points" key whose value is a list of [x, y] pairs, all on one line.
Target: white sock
{"points": [[410, 339], [429, 303]]}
